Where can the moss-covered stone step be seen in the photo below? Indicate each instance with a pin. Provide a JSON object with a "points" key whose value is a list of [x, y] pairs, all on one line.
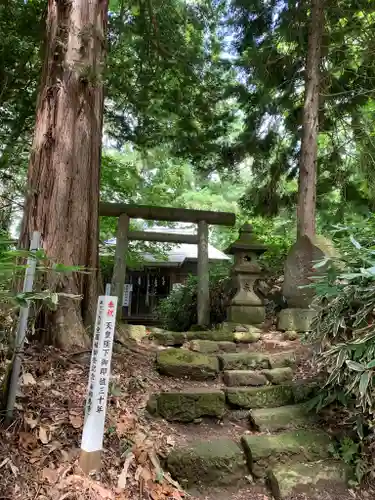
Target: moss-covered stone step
{"points": [[182, 363], [186, 406], [235, 378], [244, 361], [284, 479], [218, 462], [283, 359], [249, 335], [166, 338], [264, 451], [278, 376], [269, 396], [260, 397], [215, 335], [211, 346], [283, 417]]}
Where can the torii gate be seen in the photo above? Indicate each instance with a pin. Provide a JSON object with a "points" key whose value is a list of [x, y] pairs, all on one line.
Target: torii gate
{"points": [[200, 217]]}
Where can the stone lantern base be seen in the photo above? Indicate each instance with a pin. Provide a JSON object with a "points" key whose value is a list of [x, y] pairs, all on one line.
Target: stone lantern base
{"points": [[246, 314]]}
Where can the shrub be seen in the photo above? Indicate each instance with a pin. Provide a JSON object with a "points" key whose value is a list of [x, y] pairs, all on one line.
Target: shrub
{"points": [[178, 312], [345, 330]]}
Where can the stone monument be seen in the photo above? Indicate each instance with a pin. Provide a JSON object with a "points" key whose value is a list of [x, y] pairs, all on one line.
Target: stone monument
{"points": [[299, 268], [246, 307]]}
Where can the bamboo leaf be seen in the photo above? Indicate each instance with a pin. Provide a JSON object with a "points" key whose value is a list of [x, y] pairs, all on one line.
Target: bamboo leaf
{"points": [[353, 365], [364, 382]]}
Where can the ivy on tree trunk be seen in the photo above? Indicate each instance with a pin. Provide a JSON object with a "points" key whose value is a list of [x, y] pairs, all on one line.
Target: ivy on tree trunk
{"points": [[64, 168]]}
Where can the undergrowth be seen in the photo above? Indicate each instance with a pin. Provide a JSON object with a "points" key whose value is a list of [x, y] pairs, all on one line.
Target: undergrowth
{"points": [[345, 329]]}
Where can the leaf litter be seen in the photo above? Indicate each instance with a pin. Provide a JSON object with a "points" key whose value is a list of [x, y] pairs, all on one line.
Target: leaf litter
{"points": [[39, 451]]}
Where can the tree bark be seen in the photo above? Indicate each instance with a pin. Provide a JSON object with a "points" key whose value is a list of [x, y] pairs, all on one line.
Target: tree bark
{"points": [[62, 202], [310, 125]]}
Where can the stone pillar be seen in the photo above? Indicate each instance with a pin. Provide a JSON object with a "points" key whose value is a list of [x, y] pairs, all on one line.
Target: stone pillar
{"points": [[203, 311], [246, 307], [119, 268]]}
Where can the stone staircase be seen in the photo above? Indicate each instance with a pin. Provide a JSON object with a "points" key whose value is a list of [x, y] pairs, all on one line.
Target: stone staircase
{"points": [[241, 378]]}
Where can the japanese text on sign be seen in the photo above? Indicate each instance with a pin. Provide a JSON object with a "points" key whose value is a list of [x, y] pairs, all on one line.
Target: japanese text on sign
{"points": [[92, 437]]}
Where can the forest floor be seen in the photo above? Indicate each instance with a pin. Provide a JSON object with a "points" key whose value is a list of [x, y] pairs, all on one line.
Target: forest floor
{"points": [[39, 451]]}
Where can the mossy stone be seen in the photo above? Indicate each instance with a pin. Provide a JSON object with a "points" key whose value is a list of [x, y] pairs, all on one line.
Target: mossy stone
{"points": [[187, 406], [283, 359], [279, 418], [260, 397], [303, 390], [152, 404], [168, 338], [278, 375], [235, 378], [218, 462], [211, 346], [267, 450], [183, 363], [244, 361], [283, 479], [215, 335], [226, 346], [291, 335], [252, 335]]}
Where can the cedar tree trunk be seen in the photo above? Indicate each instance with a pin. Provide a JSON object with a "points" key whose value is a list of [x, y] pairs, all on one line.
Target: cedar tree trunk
{"points": [[310, 125], [64, 169]]}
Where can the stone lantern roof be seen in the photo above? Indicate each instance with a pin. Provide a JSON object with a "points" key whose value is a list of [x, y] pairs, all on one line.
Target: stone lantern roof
{"points": [[246, 242]]}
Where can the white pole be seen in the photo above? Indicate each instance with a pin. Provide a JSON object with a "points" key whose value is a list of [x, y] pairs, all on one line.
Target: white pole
{"points": [[22, 326]]}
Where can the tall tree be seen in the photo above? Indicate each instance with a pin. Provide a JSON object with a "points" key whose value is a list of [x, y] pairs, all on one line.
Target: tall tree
{"points": [[310, 125], [64, 168]]}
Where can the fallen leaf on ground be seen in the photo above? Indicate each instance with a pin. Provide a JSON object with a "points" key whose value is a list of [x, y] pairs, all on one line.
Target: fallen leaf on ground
{"points": [[121, 483], [44, 435], [27, 379], [50, 475], [125, 424], [27, 441], [76, 421], [31, 421], [13, 468], [4, 462]]}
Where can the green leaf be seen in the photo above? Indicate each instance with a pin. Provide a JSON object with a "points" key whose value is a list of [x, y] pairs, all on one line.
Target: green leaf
{"points": [[353, 365], [364, 382], [371, 364]]}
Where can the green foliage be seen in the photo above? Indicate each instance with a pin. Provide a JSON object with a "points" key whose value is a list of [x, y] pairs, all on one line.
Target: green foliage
{"points": [[269, 48], [178, 312], [352, 453], [345, 329]]}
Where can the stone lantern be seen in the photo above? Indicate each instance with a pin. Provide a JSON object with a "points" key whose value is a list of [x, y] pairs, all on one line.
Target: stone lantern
{"points": [[246, 307]]}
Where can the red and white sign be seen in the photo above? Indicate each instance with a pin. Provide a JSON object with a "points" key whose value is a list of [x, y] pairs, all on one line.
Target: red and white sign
{"points": [[100, 368]]}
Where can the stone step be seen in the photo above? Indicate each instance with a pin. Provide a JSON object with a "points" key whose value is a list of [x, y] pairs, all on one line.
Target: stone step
{"points": [[264, 451], [189, 405], [278, 376], [215, 335], [244, 361], [286, 461], [269, 396], [218, 462], [284, 479], [166, 338], [283, 417], [211, 346], [257, 360], [233, 378], [182, 363]]}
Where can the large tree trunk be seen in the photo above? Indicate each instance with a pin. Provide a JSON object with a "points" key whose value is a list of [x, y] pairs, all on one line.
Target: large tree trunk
{"points": [[310, 125], [64, 168]]}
